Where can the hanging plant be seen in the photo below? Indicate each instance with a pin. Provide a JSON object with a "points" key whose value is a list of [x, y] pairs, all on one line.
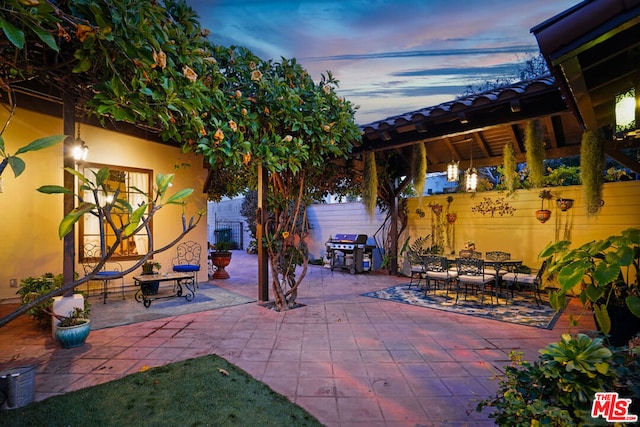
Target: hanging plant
{"points": [[534, 145], [419, 168], [592, 167], [370, 187], [510, 173]]}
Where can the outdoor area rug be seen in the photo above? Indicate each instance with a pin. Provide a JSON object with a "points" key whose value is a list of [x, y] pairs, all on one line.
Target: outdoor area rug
{"points": [[522, 310], [117, 312]]}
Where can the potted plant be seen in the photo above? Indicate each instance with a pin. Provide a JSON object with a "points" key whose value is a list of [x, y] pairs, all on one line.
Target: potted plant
{"points": [[543, 214], [604, 273], [72, 330], [32, 288], [220, 256], [150, 267]]}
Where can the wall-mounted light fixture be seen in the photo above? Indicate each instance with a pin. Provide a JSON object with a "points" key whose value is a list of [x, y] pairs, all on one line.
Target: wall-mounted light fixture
{"points": [[626, 109], [80, 149], [452, 171]]}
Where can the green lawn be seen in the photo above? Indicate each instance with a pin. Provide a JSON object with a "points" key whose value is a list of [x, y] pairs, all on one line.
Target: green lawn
{"points": [[195, 392]]}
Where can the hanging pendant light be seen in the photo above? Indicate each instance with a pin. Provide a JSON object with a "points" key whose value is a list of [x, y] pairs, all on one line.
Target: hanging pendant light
{"points": [[471, 180], [452, 171], [471, 175]]}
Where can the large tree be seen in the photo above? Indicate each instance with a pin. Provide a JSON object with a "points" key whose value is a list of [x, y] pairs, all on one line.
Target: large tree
{"points": [[149, 63]]}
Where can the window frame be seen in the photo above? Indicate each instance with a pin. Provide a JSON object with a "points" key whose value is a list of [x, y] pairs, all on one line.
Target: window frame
{"points": [[82, 237]]}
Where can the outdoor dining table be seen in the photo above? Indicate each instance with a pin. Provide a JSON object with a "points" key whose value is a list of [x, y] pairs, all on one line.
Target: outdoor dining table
{"points": [[496, 265], [186, 279]]}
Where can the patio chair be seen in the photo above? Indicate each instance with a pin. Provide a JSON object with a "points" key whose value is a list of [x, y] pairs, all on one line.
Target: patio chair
{"points": [[496, 256], [436, 269], [417, 269], [467, 253], [187, 259], [471, 273], [111, 271], [529, 281]]}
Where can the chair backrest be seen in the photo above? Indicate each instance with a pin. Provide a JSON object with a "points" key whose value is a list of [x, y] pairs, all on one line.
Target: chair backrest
{"points": [[91, 254], [498, 255], [470, 266], [90, 257], [541, 272], [188, 253], [467, 253], [435, 263]]}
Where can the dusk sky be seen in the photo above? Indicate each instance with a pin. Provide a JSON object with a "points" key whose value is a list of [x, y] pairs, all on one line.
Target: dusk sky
{"points": [[390, 56]]}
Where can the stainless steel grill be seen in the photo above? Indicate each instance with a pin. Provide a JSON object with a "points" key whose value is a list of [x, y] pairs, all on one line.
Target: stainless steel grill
{"points": [[349, 251]]}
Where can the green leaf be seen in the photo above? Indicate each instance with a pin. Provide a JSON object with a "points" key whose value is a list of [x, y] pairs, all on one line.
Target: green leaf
{"points": [[41, 143], [594, 293], [54, 189], [17, 165], [102, 176], [634, 305], [78, 175], [135, 220], [67, 223], [605, 274], [572, 274], [46, 37], [602, 318], [82, 66], [178, 197], [15, 36], [163, 181]]}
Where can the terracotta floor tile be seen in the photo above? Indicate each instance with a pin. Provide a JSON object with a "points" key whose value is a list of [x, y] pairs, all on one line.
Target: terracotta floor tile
{"points": [[348, 359]]}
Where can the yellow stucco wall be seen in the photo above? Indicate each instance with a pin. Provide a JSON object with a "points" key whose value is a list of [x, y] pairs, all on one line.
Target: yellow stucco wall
{"points": [[29, 220], [520, 232]]}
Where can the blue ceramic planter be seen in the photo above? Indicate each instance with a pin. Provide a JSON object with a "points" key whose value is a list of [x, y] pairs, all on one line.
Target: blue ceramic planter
{"points": [[73, 336]]}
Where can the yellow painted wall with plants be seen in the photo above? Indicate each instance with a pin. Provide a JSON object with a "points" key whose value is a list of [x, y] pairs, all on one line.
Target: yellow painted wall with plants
{"points": [[495, 221], [29, 220]]}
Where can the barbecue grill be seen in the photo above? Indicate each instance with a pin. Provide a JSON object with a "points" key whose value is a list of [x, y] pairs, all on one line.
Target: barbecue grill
{"points": [[349, 251]]}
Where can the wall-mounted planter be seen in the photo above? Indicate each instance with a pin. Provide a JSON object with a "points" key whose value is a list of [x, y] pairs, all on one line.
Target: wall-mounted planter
{"points": [[543, 215], [564, 204]]}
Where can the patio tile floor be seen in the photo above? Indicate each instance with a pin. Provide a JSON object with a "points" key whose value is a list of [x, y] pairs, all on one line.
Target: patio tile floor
{"points": [[347, 359]]}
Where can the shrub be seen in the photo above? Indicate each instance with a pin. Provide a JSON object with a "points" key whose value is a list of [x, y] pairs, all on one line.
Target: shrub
{"points": [[32, 288], [558, 389]]}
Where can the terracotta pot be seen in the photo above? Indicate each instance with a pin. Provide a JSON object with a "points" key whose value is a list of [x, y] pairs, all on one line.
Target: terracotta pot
{"points": [[564, 204], [220, 260], [543, 215]]}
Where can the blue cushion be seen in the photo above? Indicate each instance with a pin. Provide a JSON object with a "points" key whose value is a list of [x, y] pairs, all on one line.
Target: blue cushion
{"points": [[107, 273], [186, 267]]}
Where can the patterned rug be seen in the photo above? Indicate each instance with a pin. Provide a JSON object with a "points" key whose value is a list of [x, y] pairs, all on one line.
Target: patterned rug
{"points": [[522, 310], [118, 312]]}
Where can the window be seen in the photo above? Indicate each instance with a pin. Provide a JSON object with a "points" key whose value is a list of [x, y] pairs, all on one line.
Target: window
{"points": [[127, 180]]}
